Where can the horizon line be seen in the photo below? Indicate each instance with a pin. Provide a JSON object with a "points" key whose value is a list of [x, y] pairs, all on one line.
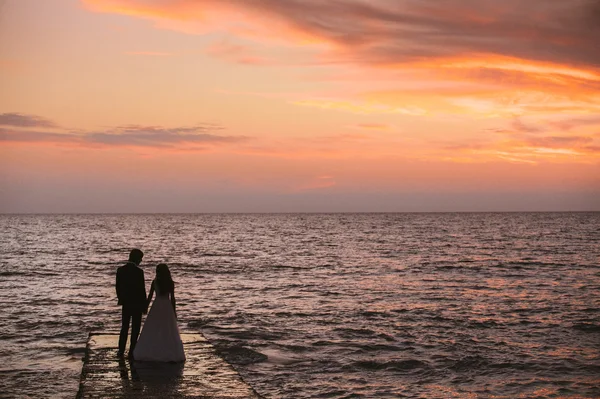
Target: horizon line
{"points": [[280, 212]]}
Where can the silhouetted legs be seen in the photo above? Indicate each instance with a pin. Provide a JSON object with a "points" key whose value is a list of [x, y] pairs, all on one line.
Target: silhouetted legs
{"points": [[136, 322]]}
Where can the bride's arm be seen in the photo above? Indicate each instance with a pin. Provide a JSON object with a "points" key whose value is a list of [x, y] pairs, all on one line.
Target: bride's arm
{"points": [[150, 296], [173, 302]]}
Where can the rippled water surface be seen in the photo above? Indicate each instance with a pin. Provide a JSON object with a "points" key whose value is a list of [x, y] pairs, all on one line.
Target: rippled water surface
{"points": [[322, 305]]}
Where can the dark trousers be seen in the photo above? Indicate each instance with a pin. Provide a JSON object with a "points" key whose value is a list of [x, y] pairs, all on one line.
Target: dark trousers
{"points": [[135, 315]]}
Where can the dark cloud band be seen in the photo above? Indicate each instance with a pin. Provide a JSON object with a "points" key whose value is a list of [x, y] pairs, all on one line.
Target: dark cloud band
{"points": [[131, 135], [396, 31], [23, 120]]}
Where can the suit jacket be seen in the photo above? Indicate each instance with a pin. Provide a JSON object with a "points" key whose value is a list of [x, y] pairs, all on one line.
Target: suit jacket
{"points": [[131, 287]]}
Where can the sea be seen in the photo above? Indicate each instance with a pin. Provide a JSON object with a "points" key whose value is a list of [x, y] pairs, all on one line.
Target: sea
{"points": [[371, 305]]}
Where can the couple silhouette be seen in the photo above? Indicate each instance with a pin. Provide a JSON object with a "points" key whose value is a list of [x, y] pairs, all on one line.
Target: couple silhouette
{"points": [[159, 340]]}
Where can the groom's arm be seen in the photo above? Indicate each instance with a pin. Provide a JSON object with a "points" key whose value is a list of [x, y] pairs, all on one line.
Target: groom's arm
{"points": [[144, 289], [118, 286]]}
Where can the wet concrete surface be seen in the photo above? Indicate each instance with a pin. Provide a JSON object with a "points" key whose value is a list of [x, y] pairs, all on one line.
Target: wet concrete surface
{"points": [[203, 375]]}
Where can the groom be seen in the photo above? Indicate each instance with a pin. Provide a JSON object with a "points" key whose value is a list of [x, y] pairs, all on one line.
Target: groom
{"points": [[131, 291]]}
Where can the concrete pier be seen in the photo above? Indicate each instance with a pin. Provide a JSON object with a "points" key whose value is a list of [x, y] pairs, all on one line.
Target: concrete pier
{"points": [[204, 375]]}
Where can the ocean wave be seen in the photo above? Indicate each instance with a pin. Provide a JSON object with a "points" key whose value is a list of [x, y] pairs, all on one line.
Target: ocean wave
{"points": [[348, 332], [587, 327], [369, 347], [12, 273], [398, 365], [484, 324], [468, 363], [249, 334], [201, 322], [371, 314], [241, 355]]}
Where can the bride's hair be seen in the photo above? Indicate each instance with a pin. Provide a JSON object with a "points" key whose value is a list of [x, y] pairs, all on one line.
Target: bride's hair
{"points": [[163, 278]]}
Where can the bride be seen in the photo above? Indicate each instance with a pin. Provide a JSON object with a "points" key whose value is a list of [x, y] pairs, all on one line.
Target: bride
{"points": [[160, 340]]}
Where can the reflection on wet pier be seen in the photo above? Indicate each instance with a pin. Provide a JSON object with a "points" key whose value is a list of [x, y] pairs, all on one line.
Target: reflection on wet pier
{"points": [[204, 374]]}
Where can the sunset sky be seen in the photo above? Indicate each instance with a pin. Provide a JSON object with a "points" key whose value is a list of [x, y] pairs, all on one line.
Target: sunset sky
{"points": [[299, 105]]}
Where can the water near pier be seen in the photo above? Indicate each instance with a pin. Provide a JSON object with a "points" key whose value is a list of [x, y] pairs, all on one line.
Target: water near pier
{"points": [[203, 375], [323, 305]]}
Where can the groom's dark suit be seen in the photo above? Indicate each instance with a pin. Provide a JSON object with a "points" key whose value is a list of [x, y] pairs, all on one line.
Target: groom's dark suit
{"points": [[131, 291]]}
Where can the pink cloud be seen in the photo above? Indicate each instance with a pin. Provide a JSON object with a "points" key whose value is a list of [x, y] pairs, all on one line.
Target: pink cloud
{"points": [[237, 53]]}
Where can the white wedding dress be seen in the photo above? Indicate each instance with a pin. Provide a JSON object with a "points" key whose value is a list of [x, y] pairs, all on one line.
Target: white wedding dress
{"points": [[159, 340]]}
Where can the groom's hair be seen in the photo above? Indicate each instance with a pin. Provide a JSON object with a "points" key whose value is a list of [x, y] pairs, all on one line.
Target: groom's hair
{"points": [[136, 255]]}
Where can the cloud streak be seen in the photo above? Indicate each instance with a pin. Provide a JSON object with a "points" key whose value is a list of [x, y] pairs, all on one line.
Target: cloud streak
{"points": [[122, 136], [153, 136], [528, 142], [25, 121]]}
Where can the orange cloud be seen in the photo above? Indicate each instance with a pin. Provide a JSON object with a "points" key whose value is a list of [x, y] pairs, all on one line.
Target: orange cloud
{"points": [[478, 95], [484, 58], [370, 106], [199, 17], [528, 142], [380, 31]]}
